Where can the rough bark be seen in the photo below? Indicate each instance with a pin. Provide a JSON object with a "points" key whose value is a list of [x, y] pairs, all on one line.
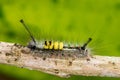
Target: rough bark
{"points": [[17, 55]]}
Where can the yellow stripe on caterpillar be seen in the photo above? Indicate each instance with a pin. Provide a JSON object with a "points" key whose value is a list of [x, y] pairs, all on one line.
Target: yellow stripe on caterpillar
{"points": [[46, 44], [50, 45], [45, 47], [60, 45], [55, 45]]}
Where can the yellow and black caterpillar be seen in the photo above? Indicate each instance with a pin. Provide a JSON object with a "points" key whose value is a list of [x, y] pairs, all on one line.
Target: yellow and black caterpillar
{"points": [[50, 45]]}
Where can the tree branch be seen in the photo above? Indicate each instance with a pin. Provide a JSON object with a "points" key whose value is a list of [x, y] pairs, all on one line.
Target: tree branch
{"points": [[20, 56]]}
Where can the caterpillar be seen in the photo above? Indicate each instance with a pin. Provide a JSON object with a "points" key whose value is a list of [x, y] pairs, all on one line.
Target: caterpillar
{"points": [[55, 46]]}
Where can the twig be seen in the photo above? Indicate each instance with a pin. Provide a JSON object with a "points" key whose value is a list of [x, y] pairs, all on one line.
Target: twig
{"points": [[17, 55]]}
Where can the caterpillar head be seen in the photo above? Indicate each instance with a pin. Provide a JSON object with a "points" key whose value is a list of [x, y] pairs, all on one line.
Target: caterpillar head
{"points": [[32, 45]]}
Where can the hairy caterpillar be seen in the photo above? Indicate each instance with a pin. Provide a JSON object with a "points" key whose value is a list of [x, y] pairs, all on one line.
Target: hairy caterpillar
{"points": [[56, 47]]}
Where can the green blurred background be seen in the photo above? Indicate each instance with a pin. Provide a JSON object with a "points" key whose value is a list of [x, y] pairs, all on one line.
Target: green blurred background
{"points": [[71, 21]]}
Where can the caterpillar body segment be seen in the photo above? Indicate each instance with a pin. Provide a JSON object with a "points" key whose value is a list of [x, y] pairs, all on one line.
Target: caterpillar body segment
{"points": [[60, 45], [50, 46], [46, 45], [55, 45]]}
